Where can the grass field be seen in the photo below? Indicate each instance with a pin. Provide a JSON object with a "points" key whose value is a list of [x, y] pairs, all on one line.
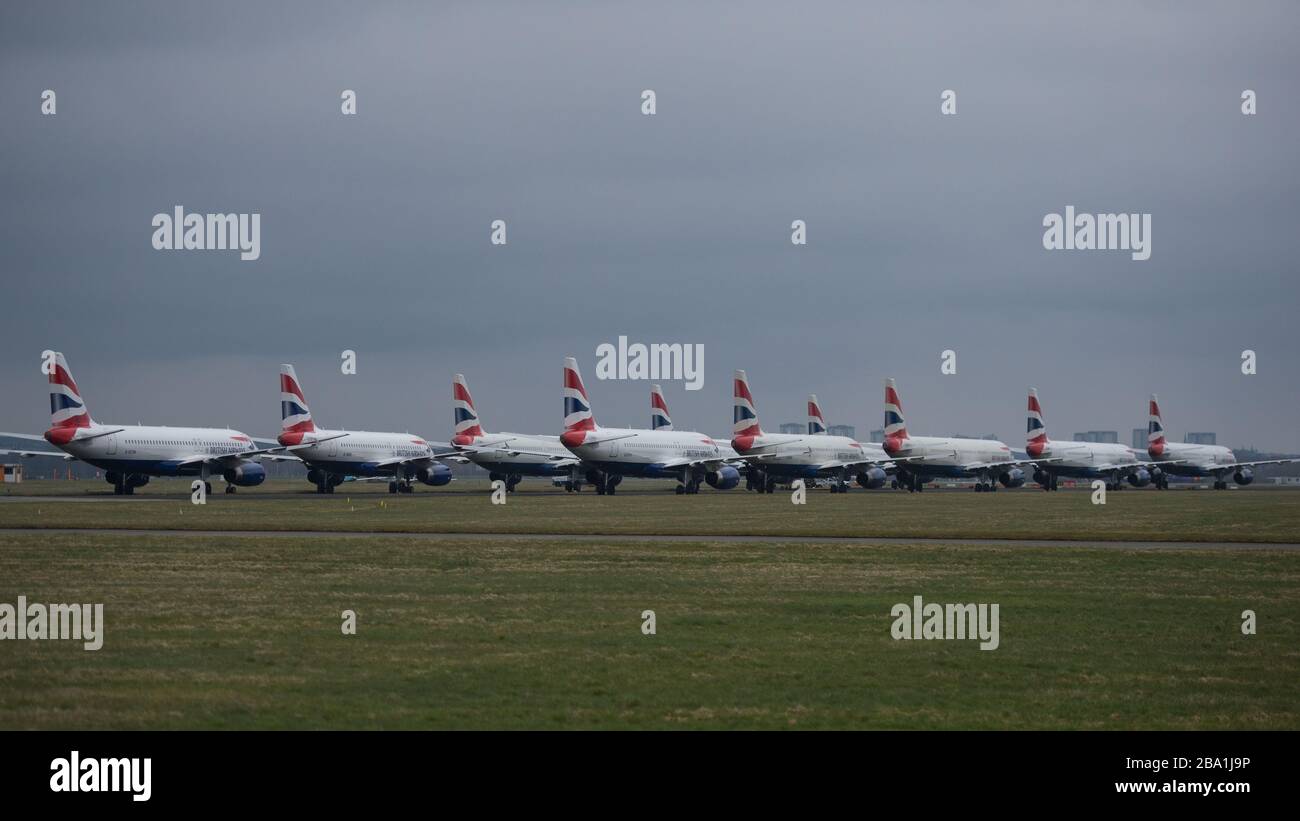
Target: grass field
{"points": [[1183, 515], [206, 632]]}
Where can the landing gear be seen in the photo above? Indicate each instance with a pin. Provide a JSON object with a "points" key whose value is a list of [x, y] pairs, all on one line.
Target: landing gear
{"points": [[392, 487], [230, 488], [400, 487], [207, 489], [1220, 484], [513, 480]]}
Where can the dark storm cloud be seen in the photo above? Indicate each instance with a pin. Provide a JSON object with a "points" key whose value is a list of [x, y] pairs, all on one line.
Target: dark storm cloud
{"points": [[924, 231]]}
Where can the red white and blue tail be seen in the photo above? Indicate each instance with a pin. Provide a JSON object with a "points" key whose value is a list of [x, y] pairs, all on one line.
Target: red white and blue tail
{"points": [[1155, 430], [895, 425], [1036, 429], [744, 416], [67, 408], [816, 422], [659, 419], [577, 407], [467, 421], [295, 417]]}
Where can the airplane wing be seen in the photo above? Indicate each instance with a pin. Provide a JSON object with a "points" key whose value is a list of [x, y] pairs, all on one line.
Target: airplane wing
{"points": [[1011, 463], [28, 454], [1258, 462]]}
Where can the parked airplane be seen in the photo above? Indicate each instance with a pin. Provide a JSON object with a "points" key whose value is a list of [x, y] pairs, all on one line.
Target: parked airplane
{"points": [[508, 457], [333, 455], [1113, 463], [130, 454], [609, 454], [985, 460], [1198, 460], [787, 456]]}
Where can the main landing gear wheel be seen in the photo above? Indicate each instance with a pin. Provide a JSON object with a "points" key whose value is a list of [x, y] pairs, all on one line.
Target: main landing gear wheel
{"points": [[230, 488], [392, 487], [207, 489]]}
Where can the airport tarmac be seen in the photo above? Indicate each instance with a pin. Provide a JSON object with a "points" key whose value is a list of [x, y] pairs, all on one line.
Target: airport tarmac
{"points": [[588, 537]]}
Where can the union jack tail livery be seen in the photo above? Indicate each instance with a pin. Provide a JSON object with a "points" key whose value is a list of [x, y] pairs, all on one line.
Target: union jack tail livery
{"points": [[659, 419], [577, 407], [895, 426], [1155, 430], [1036, 431], [816, 422], [744, 416], [294, 415], [67, 409], [467, 422]]}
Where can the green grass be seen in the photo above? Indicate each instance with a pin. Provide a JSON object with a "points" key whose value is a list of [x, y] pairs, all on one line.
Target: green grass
{"points": [[207, 632], [1134, 515]]}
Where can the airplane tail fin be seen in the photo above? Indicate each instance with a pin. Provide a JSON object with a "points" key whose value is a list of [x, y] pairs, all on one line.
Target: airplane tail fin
{"points": [[659, 419], [816, 422], [577, 407], [895, 425], [295, 417], [1036, 430], [1155, 430], [744, 415], [67, 408], [467, 421]]}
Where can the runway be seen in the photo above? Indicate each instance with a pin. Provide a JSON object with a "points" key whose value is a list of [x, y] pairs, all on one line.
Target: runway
{"points": [[624, 537]]}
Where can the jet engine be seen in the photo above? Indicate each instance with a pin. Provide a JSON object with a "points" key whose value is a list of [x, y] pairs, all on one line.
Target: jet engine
{"points": [[248, 474], [872, 478], [1012, 478], [1139, 478], [1243, 476], [724, 478], [436, 475]]}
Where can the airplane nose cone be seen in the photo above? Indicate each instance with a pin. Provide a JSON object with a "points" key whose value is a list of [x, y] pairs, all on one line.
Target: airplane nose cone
{"points": [[573, 438], [60, 436]]}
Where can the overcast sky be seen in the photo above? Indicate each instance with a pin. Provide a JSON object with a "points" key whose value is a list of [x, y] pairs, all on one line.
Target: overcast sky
{"points": [[924, 231]]}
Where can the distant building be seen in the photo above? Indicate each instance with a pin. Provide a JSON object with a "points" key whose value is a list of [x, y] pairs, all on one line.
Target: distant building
{"points": [[794, 427], [842, 430], [1110, 437], [1139, 439], [878, 435], [13, 474], [1200, 439]]}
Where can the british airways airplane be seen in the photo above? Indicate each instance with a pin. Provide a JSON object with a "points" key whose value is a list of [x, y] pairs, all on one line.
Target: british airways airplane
{"points": [[1197, 460], [609, 454], [508, 457], [985, 460], [333, 455], [130, 454], [1111, 462], [773, 456]]}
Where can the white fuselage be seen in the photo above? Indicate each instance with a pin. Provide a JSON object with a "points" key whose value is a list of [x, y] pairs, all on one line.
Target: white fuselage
{"points": [[522, 454], [810, 455], [1087, 458], [1196, 460], [365, 453], [157, 450], [639, 452], [949, 456]]}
